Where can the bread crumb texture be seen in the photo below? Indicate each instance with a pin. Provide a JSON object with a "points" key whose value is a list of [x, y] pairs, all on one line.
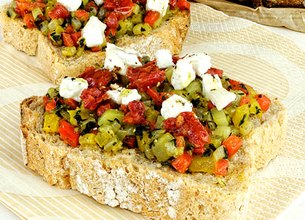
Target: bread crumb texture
{"points": [[130, 181], [170, 35]]}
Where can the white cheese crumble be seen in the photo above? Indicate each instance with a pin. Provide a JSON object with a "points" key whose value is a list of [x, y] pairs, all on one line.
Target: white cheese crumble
{"points": [[124, 96], [122, 58], [157, 5], [99, 2], [71, 5], [72, 88], [93, 32], [183, 74], [164, 58], [201, 62], [174, 105], [213, 90]]}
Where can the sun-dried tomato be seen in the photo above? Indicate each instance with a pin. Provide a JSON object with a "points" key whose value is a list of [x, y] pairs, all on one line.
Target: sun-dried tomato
{"points": [[135, 114], [188, 126], [92, 97], [97, 77], [145, 76]]}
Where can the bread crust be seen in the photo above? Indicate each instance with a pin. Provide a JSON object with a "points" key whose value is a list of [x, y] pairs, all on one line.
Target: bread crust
{"points": [[170, 35], [130, 181]]}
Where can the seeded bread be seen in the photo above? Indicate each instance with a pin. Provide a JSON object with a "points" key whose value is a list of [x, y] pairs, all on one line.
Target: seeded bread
{"points": [[170, 35], [274, 3], [130, 181]]}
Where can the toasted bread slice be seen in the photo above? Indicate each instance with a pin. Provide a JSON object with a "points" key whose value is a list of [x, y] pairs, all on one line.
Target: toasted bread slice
{"points": [[170, 35], [130, 181]]}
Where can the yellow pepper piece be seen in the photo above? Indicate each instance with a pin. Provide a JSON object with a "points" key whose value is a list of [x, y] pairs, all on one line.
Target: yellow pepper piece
{"points": [[51, 123]]}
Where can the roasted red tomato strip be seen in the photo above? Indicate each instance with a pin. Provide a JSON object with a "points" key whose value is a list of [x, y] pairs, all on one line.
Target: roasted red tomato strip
{"points": [[187, 125], [145, 76], [68, 134]]}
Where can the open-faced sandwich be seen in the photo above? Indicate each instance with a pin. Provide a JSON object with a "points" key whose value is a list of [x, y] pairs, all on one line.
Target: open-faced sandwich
{"points": [[66, 36], [170, 138]]}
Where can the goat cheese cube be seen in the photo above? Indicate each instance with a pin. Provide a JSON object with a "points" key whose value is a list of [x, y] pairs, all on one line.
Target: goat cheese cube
{"points": [[157, 5], [221, 98], [183, 74], [118, 57], [210, 83], [124, 96], [174, 105], [164, 58], [71, 5], [93, 32], [72, 88], [213, 90], [201, 62]]}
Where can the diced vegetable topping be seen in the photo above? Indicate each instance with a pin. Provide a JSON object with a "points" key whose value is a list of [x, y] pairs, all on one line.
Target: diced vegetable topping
{"points": [[59, 20], [142, 110]]}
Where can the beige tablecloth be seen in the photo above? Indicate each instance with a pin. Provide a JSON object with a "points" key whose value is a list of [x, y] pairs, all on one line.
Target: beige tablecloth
{"points": [[246, 51], [292, 18]]}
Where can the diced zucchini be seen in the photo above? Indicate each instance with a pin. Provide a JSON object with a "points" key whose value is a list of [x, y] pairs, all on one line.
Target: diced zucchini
{"points": [[159, 122], [216, 141], [222, 131], [125, 25], [56, 39], [136, 9], [168, 73], [246, 127], [143, 141], [107, 140], [220, 153], [76, 24], [219, 117], [36, 12], [51, 123], [151, 115], [136, 19], [85, 2], [53, 92], [72, 119], [157, 23], [164, 147], [87, 125], [11, 13], [109, 116], [53, 24], [142, 29], [43, 27], [194, 88]]}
